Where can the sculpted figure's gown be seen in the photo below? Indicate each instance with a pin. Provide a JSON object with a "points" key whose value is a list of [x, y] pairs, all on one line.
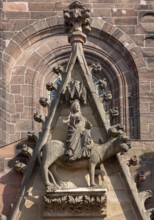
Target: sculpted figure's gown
{"points": [[78, 139]]}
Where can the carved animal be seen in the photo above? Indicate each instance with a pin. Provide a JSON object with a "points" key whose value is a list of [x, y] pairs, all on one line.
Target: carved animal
{"points": [[54, 151]]}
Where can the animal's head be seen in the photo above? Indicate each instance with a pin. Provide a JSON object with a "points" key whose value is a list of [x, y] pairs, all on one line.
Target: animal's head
{"points": [[119, 138], [124, 143]]}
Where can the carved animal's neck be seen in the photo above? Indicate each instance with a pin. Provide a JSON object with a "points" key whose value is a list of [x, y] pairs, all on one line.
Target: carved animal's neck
{"points": [[108, 149]]}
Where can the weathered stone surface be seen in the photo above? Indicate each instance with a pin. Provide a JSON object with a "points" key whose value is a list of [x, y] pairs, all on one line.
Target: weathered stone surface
{"points": [[16, 6], [122, 15], [76, 202]]}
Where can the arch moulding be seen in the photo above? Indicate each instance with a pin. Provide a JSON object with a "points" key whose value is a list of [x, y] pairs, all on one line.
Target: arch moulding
{"points": [[33, 52]]}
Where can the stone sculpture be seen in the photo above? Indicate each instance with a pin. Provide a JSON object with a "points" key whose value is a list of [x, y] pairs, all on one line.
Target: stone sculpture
{"points": [[77, 204], [78, 141], [75, 90], [20, 167], [55, 151]]}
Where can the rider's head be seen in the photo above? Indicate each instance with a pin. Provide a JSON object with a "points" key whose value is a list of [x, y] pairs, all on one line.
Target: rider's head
{"points": [[75, 107]]}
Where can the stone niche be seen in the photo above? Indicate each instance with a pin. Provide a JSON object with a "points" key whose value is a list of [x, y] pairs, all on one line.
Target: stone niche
{"points": [[76, 139]]}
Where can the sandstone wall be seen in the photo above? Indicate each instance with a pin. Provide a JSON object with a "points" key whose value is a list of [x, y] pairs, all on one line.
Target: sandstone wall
{"points": [[27, 64]]}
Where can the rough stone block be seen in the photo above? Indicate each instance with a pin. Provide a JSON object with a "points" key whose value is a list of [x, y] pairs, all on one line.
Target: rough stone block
{"points": [[145, 87], [27, 114], [123, 13], [18, 99], [139, 61], [107, 27], [16, 15], [23, 125], [14, 117], [17, 80], [14, 50], [19, 108], [102, 5], [151, 107], [144, 128], [150, 63], [29, 74], [124, 6], [144, 107], [28, 101], [41, 15], [34, 61], [125, 21], [15, 6], [40, 25], [138, 39], [29, 30], [147, 118], [117, 33], [41, 7], [101, 13], [26, 90], [15, 89], [18, 70]]}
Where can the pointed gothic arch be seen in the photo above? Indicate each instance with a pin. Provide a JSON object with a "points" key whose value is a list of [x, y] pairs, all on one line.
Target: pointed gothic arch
{"points": [[32, 53]]}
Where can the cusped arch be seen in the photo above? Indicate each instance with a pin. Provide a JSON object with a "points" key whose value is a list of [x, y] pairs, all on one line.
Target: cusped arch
{"points": [[31, 51]]}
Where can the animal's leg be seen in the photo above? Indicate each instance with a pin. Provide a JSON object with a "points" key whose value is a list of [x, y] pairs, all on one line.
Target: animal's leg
{"points": [[92, 173], [61, 184], [101, 173], [45, 174]]}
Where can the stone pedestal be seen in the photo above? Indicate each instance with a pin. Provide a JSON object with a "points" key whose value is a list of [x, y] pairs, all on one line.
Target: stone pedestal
{"points": [[75, 203]]}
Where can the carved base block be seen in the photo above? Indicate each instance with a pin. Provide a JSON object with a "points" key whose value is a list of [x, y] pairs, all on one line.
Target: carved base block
{"points": [[75, 203]]}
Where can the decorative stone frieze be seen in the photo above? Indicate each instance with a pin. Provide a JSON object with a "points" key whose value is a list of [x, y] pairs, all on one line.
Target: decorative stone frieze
{"points": [[78, 203]]}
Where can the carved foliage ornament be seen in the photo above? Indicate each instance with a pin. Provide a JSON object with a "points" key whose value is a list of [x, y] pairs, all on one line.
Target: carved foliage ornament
{"points": [[76, 204], [77, 18], [75, 90]]}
